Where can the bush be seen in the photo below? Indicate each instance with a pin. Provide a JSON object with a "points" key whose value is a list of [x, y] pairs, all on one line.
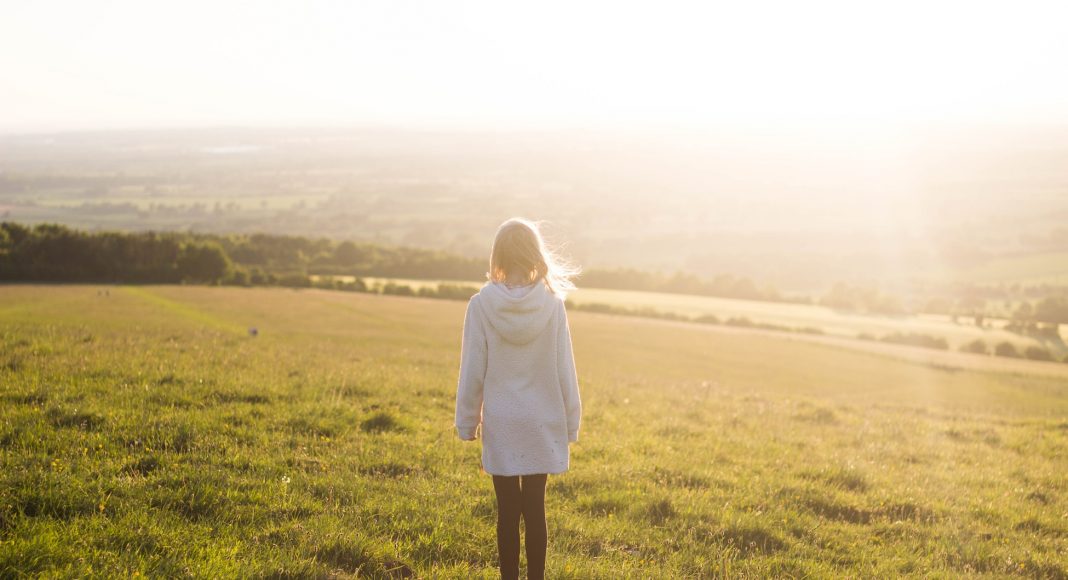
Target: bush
{"points": [[1038, 353], [397, 289], [1006, 349], [356, 285], [257, 277], [238, 277], [456, 292], [202, 262], [916, 339], [294, 281], [976, 346]]}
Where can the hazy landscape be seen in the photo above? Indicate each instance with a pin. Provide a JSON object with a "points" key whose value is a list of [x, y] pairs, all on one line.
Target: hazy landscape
{"points": [[798, 209], [873, 382], [820, 329]]}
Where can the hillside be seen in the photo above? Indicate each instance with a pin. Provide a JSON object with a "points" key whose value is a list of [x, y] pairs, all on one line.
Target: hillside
{"points": [[145, 430]]}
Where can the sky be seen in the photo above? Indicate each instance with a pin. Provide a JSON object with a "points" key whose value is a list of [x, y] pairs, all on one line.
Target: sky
{"points": [[146, 64]]}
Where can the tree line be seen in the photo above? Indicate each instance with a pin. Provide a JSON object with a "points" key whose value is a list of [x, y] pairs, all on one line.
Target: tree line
{"points": [[56, 253]]}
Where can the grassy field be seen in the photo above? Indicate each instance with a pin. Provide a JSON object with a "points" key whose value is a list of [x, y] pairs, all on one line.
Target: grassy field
{"points": [[145, 432]]}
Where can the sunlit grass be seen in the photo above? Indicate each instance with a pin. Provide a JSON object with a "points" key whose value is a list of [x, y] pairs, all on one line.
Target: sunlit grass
{"points": [[146, 431]]}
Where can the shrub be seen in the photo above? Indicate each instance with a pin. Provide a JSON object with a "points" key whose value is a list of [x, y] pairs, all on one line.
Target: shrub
{"points": [[977, 346], [1038, 353], [294, 281], [916, 339], [397, 289], [1006, 348], [455, 292], [356, 285], [238, 277]]}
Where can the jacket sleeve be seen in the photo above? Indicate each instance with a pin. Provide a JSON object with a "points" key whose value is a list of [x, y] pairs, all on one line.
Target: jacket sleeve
{"points": [[472, 374], [565, 359]]}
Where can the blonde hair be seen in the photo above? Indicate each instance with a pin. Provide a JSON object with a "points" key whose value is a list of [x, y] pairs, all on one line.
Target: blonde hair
{"points": [[520, 250]]}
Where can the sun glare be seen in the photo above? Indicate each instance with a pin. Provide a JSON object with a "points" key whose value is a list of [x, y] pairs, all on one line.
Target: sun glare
{"points": [[497, 64]]}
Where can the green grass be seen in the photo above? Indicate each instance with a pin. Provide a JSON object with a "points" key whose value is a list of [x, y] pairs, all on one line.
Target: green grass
{"points": [[146, 432]]}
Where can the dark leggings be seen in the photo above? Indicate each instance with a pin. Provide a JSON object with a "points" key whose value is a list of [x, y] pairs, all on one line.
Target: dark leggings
{"points": [[521, 495]]}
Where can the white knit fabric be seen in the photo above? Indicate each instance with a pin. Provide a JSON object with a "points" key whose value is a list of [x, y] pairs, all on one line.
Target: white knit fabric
{"points": [[518, 379]]}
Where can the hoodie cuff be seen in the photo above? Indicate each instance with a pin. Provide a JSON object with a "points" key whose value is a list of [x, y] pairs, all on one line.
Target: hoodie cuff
{"points": [[572, 436], [466, 433]]}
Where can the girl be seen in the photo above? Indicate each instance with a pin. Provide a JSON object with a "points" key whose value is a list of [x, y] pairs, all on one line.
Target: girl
{"points": [[518, 380]]}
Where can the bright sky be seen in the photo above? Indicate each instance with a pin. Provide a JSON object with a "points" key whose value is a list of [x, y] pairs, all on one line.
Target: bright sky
{"points": [[143, 63]]}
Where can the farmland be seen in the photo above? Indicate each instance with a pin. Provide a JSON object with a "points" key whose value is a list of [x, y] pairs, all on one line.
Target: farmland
{"points": [[795, 316], [144, 430]]}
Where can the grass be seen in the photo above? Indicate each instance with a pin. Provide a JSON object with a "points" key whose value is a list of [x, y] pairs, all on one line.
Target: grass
{"points": [[146, 432]]}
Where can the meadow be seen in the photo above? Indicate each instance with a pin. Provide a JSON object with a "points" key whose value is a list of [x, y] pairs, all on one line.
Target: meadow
{"points": [[145, 431]]}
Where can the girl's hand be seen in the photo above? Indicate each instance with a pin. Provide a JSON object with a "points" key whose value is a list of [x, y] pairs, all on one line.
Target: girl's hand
{"points": [[472, 437]]}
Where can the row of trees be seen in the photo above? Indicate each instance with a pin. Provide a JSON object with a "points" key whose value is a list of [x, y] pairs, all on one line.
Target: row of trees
{"points": [[55, 253], [722, 285], [1030, 316]]}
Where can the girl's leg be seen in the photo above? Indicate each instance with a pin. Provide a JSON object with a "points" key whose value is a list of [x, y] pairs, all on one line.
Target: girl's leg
{"points": [[509, 508], [533, 488]]}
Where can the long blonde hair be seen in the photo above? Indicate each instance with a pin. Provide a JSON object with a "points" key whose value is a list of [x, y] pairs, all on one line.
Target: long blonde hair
{"points": [[520, 250]]}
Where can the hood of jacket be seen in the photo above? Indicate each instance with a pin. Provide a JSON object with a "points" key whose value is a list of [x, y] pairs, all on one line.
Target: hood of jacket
{"points": [[518, 319]]}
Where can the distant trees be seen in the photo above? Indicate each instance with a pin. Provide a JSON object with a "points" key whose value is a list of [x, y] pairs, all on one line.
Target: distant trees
{"points": [[977, 346], [203, 262], [1052, 309], [843, 296], [721, 285], [54, 253], [1038, 353], [1041, 319], [1007, 349]]}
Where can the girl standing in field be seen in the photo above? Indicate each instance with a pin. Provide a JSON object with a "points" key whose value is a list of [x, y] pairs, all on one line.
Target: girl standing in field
{"points": [[518, 381]]}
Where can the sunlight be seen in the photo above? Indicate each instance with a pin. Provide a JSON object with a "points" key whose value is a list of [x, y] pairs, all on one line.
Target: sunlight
{"points": [[497, 64]]}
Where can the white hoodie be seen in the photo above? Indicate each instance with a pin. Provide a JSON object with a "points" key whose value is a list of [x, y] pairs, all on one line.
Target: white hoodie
{"points": [[518, 379]]}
